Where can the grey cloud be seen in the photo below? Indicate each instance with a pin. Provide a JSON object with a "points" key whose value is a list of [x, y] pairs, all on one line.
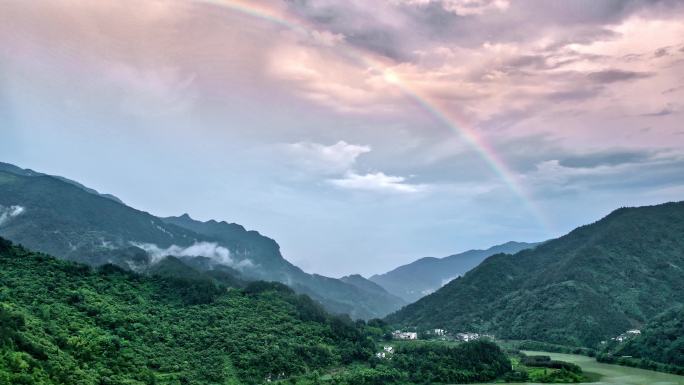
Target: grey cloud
{"points": [[606, 172], [632, 57], [362, 26], [574, 95], [660, 52], [549, 58], [614, 76], [668, 110], [534, 61], [379, 41], [608, 158], [507, 119], [649, 175], [396, 29], [673, 89], [522, 154]]}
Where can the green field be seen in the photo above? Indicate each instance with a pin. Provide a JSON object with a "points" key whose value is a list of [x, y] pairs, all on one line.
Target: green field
{"points": [[614, 374]]}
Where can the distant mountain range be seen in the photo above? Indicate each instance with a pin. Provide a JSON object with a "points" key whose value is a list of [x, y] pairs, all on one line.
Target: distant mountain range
{"points": [[585, 287], [422, 277], [61, 217]]}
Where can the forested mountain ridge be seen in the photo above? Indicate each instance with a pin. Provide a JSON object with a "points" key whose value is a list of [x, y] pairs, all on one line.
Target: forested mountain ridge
{"points": [[64, 323], [592, 284], [63, 218], [423, 276]]}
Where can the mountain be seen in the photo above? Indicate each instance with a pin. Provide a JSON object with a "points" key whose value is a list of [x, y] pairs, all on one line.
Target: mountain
{"points": [[373, 288], [422, 277], [340, 296], [592, 284], [62, 218], [66, 323], [28, 172]]}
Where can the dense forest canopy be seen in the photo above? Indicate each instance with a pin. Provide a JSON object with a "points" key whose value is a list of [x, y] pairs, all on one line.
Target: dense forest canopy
{"points": [[64, 323]]}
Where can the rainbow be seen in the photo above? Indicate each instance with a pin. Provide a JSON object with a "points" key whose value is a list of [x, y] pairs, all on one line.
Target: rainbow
{"points": [[460, 128]]}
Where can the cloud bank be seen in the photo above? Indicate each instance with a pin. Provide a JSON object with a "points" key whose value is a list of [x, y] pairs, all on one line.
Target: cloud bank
{"points": [[211, 250], [378, 182], [319, 158], [338, 163]]}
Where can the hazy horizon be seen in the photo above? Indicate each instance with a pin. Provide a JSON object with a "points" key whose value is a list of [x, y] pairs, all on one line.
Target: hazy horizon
{"points": [[360, 136]]}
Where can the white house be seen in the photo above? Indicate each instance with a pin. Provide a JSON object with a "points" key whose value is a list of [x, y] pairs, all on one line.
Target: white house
{"points": [[399, 335], [388, 349], [439, 332], [627, 335], [468, 336]]}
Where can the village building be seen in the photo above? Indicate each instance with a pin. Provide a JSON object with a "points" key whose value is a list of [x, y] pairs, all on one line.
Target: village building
{"points": [[467, 336], [399, 335]]}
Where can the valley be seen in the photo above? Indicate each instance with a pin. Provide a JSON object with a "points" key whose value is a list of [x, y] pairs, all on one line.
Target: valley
{"points": [[567, 293], [606, 374], [341, 192]]}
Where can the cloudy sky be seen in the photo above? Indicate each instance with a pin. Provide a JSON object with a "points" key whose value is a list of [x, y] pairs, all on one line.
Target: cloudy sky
{"points": [[359, 134]]}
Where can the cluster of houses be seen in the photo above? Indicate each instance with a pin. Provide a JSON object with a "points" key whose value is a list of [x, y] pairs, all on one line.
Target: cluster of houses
{"points": [[400, 335], [443, 334], [465, 337], [627, 335], [385, 353]]}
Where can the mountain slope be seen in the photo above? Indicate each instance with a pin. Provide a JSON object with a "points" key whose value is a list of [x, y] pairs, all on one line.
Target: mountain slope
{"points": [[349, 296], [422, 277], [64, 219], [64, 323], [589, 285], [10, 168], [661, 340]]}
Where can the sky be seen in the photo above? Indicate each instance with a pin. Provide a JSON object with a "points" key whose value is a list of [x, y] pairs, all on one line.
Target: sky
{"points": [[361, 135]]}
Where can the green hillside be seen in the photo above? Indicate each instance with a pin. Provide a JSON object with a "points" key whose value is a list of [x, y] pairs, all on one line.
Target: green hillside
{"points": [[660, 345], [587, 286], [63, 323]]}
